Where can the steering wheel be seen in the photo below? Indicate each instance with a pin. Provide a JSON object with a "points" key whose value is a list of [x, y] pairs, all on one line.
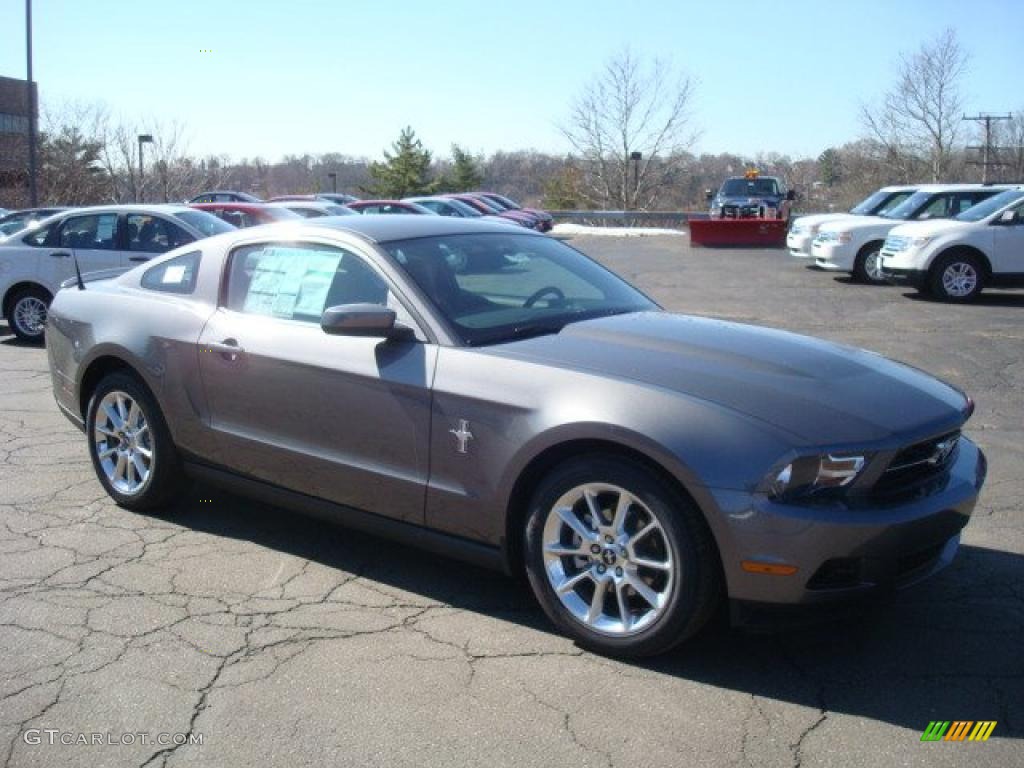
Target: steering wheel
{"points": [[554, 290]]}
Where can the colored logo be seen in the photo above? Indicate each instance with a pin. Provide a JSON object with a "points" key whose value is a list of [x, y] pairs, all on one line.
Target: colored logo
{"points": [[958, 730]]}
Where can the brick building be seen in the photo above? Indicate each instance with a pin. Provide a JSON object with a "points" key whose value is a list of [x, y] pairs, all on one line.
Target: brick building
{"points": [[14, 117]]}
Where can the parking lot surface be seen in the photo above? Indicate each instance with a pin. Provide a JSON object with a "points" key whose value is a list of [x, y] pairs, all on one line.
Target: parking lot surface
{"points": [[281, 640]]}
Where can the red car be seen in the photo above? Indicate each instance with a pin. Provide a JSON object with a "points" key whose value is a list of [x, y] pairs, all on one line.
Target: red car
{"points": [[546, 220], [487, 207], [246, 214], [388, 206]]}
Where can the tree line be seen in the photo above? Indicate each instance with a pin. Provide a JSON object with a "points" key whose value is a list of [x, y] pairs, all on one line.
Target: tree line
{"points": [[630, 131]]}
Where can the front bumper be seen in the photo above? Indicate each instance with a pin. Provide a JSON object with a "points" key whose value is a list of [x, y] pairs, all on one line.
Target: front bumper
{"points": [[799, 244], [833, 256], [845, 552]]}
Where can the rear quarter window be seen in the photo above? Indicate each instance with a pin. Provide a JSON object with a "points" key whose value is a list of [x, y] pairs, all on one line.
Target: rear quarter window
{"points": [[177, 275]]}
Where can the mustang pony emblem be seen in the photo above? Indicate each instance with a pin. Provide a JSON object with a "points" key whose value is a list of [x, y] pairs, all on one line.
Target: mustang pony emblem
{"points": [[463, 435]]}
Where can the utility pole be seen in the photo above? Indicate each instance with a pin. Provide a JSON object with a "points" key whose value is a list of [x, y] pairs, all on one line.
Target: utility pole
{"points": [[33, 185], [987, 118]]}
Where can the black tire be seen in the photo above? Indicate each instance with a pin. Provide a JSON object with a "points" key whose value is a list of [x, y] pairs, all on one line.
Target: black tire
{"points": [[16, 313], [696, 581], [861, 272], [166, 480], [941, 282]]}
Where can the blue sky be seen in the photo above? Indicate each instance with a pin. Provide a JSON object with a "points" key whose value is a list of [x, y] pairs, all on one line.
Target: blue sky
{"points": [[338, 75]]}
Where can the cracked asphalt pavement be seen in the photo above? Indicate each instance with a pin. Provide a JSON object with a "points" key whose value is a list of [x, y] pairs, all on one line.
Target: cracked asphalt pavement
{"points": [[285, 641]]}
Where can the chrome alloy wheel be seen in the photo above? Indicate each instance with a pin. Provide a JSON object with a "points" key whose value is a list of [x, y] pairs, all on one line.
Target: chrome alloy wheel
{"points": [[123, 442], [959, 279], [608, 559], [873, 266], [30, 315]]}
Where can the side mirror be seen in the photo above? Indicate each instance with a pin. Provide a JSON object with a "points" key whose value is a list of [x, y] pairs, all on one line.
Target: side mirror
{"points": [[364, 320], [1008, 217], [791, 195], [708, 194]]}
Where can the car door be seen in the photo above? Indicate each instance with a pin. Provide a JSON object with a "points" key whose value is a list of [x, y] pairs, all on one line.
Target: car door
{"points": [[147, 236], [91, 239], [1008, 253], [337, 417]]}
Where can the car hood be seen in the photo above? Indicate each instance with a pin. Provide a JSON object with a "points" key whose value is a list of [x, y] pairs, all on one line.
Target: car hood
{"points": [[932, 228], [858, 223], [824, 394], [817, 219]]}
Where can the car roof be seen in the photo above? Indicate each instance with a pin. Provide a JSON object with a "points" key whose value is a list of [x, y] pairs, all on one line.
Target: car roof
{"points": [[168, 208], [233, 205], [960, 187], [384, 228]]}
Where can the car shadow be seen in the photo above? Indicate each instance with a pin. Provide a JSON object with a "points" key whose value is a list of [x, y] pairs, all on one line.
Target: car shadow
{"points": [[904, 661], [990, 298]]}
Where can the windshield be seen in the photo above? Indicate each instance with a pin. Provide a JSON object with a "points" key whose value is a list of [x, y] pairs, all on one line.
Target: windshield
{"points": [[497, 287], [205, 222], [481, 205], [507, 202], [990, 206], [468, 211], [880, 201], [749, 188], [340, 210], [908, 207]]}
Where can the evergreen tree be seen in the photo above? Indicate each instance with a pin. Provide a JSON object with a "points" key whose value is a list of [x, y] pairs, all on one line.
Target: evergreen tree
{"points": [[405, 171], [829, 167], [465, 175]]}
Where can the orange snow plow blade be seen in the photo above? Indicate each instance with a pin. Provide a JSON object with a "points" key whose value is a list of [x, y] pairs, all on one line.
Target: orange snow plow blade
{"points": [[769, 233]]}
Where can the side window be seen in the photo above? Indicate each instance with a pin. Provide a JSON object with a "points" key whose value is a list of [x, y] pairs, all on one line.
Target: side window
{"points": [[371, 209], [962, 202], [151, 234], [298, 281], [37, 238], [177, 275], [96, 232]]}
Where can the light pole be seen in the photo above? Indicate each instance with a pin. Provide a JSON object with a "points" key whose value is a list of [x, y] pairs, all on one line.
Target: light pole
{"points": [[636, 157], [33, 188], [334, 181], [144, 138]]}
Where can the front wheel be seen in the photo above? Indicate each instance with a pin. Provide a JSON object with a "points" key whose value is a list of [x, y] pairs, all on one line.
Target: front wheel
{"points": [[26, 314], [957, 277], [868, 266], [619, 560], [130, 446]]}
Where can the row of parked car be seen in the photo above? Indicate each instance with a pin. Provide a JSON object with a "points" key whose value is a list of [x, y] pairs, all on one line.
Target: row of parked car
{"points": [[41, 247], [949, 240]]}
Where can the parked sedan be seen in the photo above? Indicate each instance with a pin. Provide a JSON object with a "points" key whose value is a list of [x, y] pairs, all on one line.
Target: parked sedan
{"points": [[487, 207], [545, 220], [312, 209], [449, 206], [244, 215], [547, 416], [225, 196], [35, 262], [17, 220], [388, 206]]}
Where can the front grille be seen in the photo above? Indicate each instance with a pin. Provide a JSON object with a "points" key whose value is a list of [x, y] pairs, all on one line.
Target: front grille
{"points": [[918, 464]]}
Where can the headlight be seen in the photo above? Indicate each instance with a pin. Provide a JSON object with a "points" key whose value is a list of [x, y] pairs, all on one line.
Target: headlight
{"points": [[812, 475], [843, 237], [919, 242]]}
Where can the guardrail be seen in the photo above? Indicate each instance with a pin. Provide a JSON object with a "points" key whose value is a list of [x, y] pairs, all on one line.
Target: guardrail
{"points": [[675, 219]]}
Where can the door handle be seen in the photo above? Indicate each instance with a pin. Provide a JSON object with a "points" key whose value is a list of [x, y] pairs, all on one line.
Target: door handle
{"points": [[138, 258], [60, 255], [228, 349]]}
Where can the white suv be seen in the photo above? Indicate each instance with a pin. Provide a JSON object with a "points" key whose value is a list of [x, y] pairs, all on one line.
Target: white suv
{"points": [[35, 261], [954, 260], [803, 230], [853, 245]]}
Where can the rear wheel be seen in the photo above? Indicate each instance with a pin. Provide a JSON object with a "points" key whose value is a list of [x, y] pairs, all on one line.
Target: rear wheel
{"points": [[619, 560], [26, 314], [957, 277], [867, 268], [130, 445]]}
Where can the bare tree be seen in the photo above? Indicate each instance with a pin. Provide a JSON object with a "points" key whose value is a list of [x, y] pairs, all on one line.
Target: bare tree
{"points": [[631, 107], [918, 122]]}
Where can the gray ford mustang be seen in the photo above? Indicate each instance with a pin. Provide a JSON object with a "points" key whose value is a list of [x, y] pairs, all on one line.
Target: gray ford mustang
{"points": [[497, 396]]}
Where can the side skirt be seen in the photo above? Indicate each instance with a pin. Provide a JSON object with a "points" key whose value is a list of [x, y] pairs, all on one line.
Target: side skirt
{"points": [[438, 543]]}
